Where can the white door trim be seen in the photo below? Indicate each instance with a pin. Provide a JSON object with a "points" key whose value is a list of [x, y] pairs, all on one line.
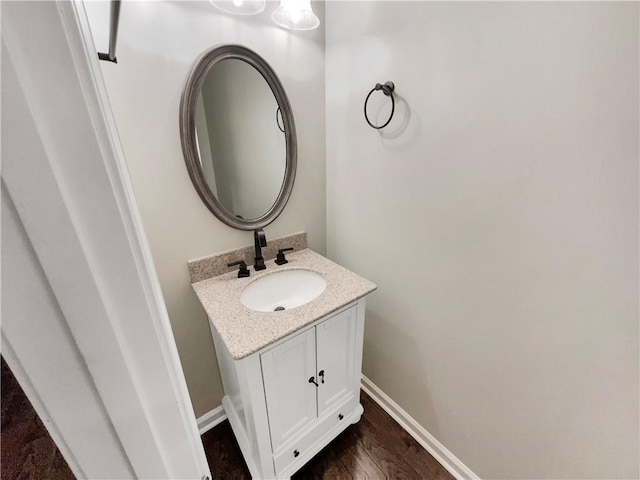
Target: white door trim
{"points": [[65, 175]]}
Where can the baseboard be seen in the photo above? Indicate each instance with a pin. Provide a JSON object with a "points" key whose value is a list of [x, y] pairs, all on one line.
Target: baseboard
{"points": [[447, 459], [210, 419]]}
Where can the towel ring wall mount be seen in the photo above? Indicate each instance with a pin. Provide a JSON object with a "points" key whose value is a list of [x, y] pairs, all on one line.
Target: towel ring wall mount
{"points": [[387, 88]]}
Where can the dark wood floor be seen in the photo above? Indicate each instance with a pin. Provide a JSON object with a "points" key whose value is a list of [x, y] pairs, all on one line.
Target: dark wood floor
{"points": [[27, 451], [374, 448]]}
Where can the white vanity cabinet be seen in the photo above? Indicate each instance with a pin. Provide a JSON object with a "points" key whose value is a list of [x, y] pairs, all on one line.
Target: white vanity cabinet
{"points": [[290, 399]]}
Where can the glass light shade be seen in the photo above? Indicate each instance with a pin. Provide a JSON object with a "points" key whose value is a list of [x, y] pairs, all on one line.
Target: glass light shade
{"points": [[240, 7], [295, 15]]}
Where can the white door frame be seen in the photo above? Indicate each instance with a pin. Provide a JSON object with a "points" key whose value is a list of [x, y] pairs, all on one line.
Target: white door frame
{"points": [[84, 325]]}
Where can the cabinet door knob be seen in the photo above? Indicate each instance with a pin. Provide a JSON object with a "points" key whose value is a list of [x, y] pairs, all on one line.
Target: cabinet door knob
{"points": [[340, 416], [321, 375], [296, 453], [313, 380]]}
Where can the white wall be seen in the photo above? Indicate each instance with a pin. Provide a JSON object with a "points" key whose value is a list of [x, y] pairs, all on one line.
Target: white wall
{"points": [[499, 217], [157, 43]]}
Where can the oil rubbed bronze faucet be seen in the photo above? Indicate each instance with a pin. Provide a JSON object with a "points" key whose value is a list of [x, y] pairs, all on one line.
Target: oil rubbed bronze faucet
{"points": [[259, 240]]}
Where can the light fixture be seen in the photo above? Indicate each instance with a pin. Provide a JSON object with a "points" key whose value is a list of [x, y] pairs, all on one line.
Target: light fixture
{"points": [[295, 15], [240, 7]]}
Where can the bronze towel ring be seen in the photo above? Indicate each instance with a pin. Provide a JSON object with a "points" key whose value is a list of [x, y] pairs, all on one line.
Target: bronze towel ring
{"points": [[387, 89]]}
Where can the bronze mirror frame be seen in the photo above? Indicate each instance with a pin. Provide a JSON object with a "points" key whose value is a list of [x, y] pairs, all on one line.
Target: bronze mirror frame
{"points": [[188, 103]]}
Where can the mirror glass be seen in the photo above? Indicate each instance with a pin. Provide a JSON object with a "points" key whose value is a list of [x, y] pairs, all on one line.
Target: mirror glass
{"points": [[240, 145], [238, 137]]}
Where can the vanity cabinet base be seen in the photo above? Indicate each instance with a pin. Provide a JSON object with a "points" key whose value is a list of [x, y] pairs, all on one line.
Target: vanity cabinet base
{"points": [[285, 465], [279, 449]]}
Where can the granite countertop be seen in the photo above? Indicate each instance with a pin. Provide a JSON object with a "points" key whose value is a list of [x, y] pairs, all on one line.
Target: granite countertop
{"points": [[246, 331]]}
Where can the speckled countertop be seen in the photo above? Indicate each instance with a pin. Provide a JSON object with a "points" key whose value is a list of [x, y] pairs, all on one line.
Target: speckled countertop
{"points": [[246, 331]]}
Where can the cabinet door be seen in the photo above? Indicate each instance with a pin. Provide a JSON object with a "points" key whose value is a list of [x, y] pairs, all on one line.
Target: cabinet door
{"points": [[335, 345], [291, 399]]}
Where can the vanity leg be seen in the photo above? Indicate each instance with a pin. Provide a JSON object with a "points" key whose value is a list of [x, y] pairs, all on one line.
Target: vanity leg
{"points": [[357, 418]]}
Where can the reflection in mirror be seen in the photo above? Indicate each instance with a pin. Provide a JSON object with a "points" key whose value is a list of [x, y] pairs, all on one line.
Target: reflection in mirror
{"points": [[241, 149], [238, 137]]}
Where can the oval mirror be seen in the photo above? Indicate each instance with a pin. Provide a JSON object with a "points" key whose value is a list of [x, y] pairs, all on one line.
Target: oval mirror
{"points": [[238, 136]]}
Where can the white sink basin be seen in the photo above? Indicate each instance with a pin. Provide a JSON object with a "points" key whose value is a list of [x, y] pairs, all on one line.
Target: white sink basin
{"points": [[283, 290]]}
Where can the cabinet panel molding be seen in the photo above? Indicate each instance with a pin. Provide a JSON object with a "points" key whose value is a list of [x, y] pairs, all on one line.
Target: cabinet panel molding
{"points": [[291, 399], [335, 352]]}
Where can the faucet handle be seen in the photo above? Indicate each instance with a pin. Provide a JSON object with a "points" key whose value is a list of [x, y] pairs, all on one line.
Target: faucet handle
{"points": [[280, 260], [243, 271]]}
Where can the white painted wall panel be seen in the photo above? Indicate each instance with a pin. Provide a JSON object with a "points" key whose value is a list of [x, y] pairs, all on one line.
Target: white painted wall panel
{"points": [[498, 215], [74, 414]]}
